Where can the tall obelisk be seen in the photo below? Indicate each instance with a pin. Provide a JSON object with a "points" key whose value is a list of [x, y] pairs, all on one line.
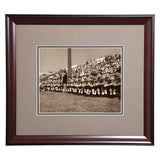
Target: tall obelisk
{"points": [[69, 62]]}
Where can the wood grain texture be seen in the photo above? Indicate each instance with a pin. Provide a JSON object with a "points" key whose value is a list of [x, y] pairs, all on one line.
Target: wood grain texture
{"points": [[146, 20]]}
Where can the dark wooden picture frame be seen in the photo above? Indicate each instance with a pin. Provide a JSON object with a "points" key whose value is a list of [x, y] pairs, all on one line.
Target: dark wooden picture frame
{"points": [[13, 20]]}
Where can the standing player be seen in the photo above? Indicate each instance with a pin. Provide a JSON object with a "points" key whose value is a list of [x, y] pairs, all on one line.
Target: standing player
{"points": [[64, 82]]}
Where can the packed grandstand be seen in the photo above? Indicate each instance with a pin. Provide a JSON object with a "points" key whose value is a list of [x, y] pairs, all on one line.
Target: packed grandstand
{"points": [[98, 77]]}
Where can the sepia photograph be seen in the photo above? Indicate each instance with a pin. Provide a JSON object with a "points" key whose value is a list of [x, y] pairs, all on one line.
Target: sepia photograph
{"points": [[79, 79]]}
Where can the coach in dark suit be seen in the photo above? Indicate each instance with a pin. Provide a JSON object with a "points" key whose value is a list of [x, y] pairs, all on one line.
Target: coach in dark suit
{"points": [[64, 81]]}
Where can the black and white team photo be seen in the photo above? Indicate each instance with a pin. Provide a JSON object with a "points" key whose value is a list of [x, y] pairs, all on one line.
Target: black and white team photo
{"points": [[80, 79]]}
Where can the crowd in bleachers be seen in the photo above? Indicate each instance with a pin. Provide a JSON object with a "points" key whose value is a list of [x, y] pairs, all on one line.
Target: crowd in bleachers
{"points": [[98, 77]]}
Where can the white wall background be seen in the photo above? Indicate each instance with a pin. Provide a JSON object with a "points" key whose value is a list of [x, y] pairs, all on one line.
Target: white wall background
{"points": [[79, 7]]}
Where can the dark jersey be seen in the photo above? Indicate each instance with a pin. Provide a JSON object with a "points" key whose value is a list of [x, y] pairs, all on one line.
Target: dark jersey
{"points": [[64, 79]]}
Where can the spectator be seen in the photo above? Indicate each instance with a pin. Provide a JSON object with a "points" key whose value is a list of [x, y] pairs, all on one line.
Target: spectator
{"points": [[98, 77]]}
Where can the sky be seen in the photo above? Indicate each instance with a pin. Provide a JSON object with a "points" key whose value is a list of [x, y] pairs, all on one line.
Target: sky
{"points": [[53, 59]]}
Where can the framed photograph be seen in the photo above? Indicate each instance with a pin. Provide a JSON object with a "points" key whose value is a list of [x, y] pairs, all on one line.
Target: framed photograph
{"points": [[80, 79]]}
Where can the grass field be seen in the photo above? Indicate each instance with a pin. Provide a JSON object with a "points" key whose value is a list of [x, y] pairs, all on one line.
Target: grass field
{"points": [[67, 102]]}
